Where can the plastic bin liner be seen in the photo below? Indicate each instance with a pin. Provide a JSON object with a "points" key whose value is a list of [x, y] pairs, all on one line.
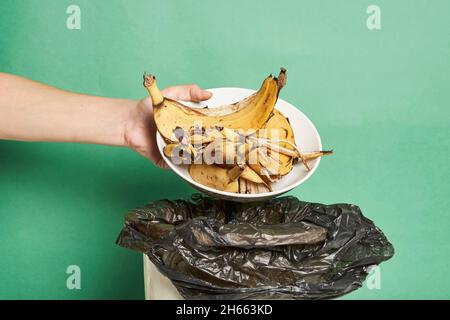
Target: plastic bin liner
{"points": [[282, 248]]}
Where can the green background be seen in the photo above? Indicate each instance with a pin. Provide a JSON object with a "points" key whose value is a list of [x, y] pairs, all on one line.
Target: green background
{"points": [[380, 99]]}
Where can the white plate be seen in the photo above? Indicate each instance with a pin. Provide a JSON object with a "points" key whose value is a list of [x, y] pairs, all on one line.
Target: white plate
{"points": [[306, 137]]}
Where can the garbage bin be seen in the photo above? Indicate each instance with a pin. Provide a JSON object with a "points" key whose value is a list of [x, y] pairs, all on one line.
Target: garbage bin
{"points": [[156, 285], [281, 248]]}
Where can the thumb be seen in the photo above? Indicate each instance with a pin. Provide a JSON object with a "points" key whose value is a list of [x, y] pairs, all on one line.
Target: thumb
{"points": [[197, 94]]}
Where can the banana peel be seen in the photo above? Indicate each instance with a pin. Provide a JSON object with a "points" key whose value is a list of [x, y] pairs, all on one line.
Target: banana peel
{"points": [[243, 147], [247, 186], [251, 114], [214, 177], [223, 171], [280, 126], [250, 175], [231, 108]]}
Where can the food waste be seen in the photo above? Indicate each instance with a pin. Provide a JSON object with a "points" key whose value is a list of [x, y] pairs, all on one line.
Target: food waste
{"points": [[242, 147]]}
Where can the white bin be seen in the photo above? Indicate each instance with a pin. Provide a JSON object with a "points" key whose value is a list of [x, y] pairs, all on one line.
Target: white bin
{"points": [[158, 286]]}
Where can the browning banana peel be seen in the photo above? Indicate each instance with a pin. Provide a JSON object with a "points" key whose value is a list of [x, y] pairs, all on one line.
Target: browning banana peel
{"points": [[251, 113], [242, 147]]}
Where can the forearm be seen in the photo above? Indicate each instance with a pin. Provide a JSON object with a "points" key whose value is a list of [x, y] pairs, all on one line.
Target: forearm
{"points": [[30, 111]]}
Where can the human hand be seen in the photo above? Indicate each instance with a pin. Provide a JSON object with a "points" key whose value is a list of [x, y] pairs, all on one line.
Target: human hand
{"points": [[140, 129]]}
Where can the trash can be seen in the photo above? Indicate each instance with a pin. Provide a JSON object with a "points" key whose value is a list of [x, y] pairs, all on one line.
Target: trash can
{"points": [[156, 285], [282, 248]]}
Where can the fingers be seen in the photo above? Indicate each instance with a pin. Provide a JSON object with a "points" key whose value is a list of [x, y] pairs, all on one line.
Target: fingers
{"points": [[161, 163], [197, 94], [151, 153], [156, 158], [190, 92]]}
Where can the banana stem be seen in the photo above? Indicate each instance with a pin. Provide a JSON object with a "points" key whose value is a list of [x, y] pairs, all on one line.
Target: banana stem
{"points": [[282, 78], [152, 88], [316, 154]]}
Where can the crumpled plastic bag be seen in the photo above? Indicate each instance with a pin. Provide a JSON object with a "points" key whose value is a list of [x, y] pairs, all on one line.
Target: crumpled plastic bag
{"points": [[282, 248]]}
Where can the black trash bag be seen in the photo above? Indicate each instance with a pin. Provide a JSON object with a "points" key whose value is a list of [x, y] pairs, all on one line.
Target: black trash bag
{"points": [[282, 248]]}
